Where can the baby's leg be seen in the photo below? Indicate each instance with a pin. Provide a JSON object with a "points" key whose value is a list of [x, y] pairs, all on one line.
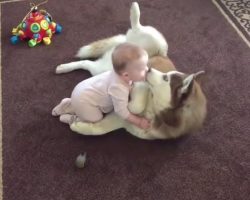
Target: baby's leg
{"points": [[81, 110], [109, 123], [86, 113], [69, 118], [63, 107]]}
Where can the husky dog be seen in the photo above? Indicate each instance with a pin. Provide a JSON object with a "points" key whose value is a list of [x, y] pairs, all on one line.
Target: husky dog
{"points": [[173, 101]]}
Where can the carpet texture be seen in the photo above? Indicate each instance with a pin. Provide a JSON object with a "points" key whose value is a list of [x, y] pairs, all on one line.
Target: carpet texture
{"points": [[39, 152]]}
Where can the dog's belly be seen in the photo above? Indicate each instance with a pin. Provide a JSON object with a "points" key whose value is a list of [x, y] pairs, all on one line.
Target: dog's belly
{"points": [[138, 132], [149, 134]]}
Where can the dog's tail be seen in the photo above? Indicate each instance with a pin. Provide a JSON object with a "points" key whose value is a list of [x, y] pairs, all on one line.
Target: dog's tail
{"points": [[98, 48], [135, 16]]}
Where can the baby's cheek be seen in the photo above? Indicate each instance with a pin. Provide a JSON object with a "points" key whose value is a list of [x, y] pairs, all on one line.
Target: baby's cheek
{"points": [[143, 73], [142, 77]]}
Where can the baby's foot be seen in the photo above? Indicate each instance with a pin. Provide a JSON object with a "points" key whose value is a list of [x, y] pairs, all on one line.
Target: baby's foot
{"points": [[61, 107], [68, 118]]}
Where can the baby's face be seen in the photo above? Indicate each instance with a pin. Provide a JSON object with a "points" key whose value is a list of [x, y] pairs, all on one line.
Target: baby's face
{"points": [[137, 69]]}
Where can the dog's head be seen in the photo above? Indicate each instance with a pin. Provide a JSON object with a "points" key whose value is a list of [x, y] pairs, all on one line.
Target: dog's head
{"points": [[159, 84], [173, 92], [170, 89]]}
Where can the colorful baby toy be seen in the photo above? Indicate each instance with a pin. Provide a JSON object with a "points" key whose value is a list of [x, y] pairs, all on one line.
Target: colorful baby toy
{"points": [[36, 26]]}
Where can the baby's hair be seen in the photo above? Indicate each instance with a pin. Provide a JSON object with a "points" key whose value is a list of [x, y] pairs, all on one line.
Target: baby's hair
{"points": [[125, 53]]}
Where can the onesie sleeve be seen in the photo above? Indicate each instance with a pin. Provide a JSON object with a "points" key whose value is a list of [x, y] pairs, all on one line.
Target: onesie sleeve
{"points": [[119, 95]]}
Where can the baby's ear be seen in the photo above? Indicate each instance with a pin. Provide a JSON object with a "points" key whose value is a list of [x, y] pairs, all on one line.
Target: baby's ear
{"points": [[124, 74]]}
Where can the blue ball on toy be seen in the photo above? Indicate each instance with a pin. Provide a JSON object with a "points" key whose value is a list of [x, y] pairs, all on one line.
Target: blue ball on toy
{"points": [[14, 39], [58, 28]]}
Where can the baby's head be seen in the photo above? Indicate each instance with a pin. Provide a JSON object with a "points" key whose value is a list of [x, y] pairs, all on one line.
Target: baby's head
{"points": [[130, 62]]}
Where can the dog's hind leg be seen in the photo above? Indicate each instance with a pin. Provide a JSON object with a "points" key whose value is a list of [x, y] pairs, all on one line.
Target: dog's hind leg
{"points": [[68, 67], [109, 123], [94, 67], [146, 37], [135, 16], [98, 48]]}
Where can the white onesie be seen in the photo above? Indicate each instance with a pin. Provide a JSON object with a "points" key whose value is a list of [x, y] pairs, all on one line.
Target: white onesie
{"points": [[100, 94]]}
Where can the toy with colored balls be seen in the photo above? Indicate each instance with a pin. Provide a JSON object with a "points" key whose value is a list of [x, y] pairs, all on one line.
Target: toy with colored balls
{"points": [[35, 28]]}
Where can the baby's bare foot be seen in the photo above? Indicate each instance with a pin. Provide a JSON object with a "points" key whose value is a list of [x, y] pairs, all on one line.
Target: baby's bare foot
{"points": [[68, 118], [61, 107]]}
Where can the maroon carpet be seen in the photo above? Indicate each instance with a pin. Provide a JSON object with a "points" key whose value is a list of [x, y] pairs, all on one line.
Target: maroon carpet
{"points": [[39, 151]]}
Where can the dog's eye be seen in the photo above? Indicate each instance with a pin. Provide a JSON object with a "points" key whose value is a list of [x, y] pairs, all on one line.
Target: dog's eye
{"points": [[165, 77]]}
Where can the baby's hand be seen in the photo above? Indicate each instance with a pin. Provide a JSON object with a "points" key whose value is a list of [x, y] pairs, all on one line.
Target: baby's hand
{"points": [[144, 123]]}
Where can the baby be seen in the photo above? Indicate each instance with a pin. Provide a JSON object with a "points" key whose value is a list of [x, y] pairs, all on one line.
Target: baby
{"points": [[108, 91]]}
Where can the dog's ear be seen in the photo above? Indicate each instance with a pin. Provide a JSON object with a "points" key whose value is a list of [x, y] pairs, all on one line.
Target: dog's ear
{"points": [[185, 90], [200, 76], [187, 84]]}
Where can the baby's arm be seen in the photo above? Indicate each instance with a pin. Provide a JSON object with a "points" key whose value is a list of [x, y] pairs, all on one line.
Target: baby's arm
{"points": [[119, 97], [138, 121]]}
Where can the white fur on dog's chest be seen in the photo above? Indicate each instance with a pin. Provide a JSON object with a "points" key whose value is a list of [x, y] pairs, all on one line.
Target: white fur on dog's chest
{"points": [[155, 106], [149, 112]]}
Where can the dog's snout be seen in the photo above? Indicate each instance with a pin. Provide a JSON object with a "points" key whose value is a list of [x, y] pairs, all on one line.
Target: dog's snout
{"points": [[147, 72]]}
